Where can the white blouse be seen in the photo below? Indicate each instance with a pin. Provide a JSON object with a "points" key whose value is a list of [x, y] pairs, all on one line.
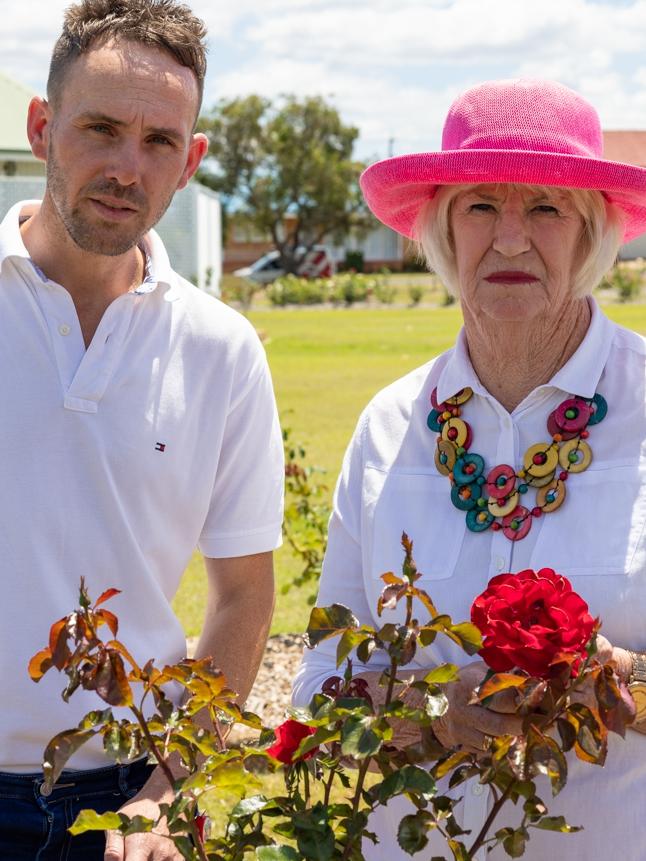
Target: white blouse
{"points": [[389, 484]]}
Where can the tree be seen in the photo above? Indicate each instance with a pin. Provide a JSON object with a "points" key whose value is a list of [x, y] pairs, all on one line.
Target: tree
{"points": [[285, 162]]}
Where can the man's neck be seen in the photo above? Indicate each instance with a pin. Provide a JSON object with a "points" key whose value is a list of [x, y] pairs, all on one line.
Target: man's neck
{"points": [[93, 281], [512, 360]]}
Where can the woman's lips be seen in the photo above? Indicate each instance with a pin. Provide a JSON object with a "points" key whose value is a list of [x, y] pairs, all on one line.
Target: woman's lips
{"points": [[510, 277]]}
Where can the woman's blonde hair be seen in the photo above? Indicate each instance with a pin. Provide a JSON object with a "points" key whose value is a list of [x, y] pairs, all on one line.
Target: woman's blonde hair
{"points": [[600, 239]]}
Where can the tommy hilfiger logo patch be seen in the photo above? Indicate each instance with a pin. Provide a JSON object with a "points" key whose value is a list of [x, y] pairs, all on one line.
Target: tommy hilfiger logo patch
{"points": [[160, 446]]}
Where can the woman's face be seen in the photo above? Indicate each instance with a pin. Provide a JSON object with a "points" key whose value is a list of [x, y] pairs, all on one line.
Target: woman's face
{"points": [[516, 249]]}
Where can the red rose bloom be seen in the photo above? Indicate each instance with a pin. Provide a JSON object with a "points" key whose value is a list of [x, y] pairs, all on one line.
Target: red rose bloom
{"points": [[527, 619], [288, 737]]}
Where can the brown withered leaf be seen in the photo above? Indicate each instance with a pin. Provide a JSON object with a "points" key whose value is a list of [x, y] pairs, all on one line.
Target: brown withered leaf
{"points": [[496, 683], [60, 749], [58, 636], [39, 664], [105, 617], [389, 597], [109, 679], [543, 755], [425, 598], [105, 596], [119, 647]]}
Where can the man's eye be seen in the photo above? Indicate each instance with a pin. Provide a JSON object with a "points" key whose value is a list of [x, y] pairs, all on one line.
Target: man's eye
{"points": [[99, 127], [160, 139]]}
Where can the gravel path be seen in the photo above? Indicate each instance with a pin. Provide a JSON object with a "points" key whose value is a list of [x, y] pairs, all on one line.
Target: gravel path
{"points": [[271, 692]]}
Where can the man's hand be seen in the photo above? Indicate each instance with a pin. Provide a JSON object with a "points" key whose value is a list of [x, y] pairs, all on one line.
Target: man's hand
{"points": [[239, 607], [142, 847]]}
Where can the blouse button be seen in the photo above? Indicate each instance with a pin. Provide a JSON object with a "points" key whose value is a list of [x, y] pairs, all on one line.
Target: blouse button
{"points": [[64, 329]]}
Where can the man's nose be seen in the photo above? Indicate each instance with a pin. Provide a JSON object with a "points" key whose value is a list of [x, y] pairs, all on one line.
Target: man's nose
{"points": [[125, 165], [511, 235]]}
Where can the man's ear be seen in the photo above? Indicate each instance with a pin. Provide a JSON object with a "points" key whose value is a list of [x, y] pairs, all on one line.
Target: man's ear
{"points": [[39, 117], [198, 148]]}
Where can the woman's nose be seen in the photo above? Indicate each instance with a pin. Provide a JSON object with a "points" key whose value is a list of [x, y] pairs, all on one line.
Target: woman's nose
{"points": [[511, 235]]}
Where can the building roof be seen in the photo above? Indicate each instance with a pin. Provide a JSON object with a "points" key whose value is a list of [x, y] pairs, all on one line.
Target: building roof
{"points": [[629, 147], [14, 98]]}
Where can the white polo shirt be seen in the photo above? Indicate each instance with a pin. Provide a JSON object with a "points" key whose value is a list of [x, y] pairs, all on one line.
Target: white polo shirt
{"points": [[597, 538], [115, 463]]}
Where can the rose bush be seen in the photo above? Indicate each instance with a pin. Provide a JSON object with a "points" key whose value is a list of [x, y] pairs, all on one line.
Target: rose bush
{"points": [[528, 619]]}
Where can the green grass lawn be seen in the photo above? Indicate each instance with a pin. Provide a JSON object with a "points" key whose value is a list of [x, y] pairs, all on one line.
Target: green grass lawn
{"points": [[327, 364]]}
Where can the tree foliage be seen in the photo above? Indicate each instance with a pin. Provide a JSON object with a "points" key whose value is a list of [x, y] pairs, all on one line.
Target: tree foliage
{"points": [[286, 161]]}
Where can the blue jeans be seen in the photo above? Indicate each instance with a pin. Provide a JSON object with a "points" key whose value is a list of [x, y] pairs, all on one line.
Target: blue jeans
{"points": [[33, 826]]}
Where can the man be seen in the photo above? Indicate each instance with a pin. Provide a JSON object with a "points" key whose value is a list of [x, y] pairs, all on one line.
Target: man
{"points": [[138, 418]]}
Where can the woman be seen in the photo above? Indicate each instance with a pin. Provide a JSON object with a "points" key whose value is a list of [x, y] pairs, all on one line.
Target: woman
{"points": [[521, 217]]}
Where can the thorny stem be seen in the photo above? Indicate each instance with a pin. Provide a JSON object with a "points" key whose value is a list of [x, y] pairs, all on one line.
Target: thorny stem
{"points": [[391, 681], [152, 745], [328, 787], [363, 770], [495, 810], [168, 774]]}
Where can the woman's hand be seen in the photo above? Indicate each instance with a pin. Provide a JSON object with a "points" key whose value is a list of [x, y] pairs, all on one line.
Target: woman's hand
{"points": [[472, 726]]}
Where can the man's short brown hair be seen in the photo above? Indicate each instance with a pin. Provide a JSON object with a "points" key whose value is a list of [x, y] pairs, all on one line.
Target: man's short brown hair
{"points": [[166, 24]]}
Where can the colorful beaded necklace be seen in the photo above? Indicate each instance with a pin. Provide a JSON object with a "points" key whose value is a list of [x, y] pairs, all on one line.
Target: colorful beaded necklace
{"points": [[493, 500]]}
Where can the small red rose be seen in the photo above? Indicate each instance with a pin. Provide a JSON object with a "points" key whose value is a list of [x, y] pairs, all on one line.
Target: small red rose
{"points": [[288, 737], [528, 619]]}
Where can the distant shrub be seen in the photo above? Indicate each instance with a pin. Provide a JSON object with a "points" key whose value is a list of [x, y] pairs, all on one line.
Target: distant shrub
{"points": [[292, 290], [415, 293], [383, 290], [626, 279], [351, 287]]}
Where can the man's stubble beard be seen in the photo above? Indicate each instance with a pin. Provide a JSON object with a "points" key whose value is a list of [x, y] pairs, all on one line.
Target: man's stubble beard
{"points": [[109, 240]]}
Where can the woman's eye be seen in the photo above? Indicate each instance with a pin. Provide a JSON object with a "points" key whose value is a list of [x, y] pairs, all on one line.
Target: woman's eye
{"points": [[481, 207], [546, 207]]}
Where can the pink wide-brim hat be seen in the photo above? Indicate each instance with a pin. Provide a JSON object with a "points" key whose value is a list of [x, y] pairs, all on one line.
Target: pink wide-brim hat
{"points": [[521, 131]]}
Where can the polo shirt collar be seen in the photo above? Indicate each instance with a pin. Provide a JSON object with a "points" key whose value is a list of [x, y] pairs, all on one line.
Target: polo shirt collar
{"points": [[579, 376], [157, 270]]}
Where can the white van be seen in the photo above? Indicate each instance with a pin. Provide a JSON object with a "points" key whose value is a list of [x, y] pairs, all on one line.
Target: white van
{"points": [[317, 263]]}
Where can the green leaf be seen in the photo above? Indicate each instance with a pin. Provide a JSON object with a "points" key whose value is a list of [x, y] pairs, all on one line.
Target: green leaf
{"points": [[249, 806], [443, 674], [514, 844], [328, 622], [556, 823], [277, 853], [467, 636], [458, 850], [350, 639], [411, 833], [358, 739], [450, 763], [410, 778], [90, 820]]}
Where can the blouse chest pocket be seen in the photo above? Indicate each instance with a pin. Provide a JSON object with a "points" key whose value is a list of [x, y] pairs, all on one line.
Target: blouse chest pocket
{"points": [[417, 503], [599, 529]]}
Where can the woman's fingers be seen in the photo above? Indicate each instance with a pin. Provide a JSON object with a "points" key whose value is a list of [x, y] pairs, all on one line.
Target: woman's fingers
{"points": [[469, 724]]}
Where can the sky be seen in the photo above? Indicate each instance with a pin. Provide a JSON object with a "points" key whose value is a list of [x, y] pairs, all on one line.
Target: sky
{"points": [[391, 67]]}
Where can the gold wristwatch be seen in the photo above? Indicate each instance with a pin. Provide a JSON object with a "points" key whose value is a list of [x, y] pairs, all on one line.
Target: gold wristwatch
{"points": [[637, 685]]}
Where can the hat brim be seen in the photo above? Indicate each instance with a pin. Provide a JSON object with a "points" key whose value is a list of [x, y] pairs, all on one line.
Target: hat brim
{"points": [[396, 189]]}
